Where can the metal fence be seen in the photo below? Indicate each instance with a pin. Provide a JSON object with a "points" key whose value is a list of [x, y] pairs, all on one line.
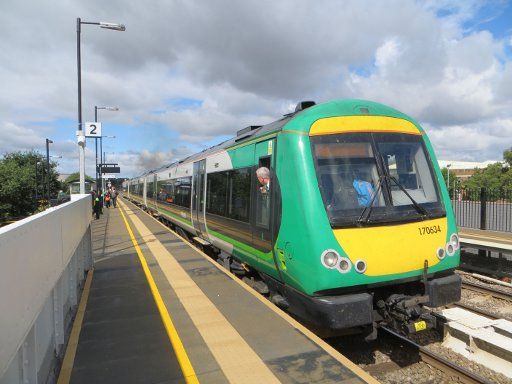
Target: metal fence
{"points": [[483, 208]]}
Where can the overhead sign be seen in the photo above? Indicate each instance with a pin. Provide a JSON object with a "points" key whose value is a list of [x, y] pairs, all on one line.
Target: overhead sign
{"points": [[93, 129], [111, 170]]}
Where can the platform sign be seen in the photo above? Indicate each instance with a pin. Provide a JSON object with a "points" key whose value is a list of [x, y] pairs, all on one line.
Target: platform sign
{"points": [[108, 176], [93, 129], [106, 169]]}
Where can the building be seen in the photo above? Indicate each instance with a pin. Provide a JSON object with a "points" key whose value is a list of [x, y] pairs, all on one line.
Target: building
{"points": [[464, 169]]}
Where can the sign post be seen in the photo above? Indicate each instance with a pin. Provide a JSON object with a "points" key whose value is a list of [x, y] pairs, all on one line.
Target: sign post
{"points": [[93, 129]]}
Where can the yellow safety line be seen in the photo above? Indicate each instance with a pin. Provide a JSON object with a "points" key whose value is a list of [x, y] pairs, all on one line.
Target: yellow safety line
{"points": [[285, 316], [237, 360], [179, 350], [69, 356]]}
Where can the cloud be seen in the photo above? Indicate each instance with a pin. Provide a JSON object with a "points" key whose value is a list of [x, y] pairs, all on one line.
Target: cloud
{"points": [[247, 63]]}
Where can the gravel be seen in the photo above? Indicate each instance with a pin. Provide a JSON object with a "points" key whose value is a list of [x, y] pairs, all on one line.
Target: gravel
{"points": [[483, 371], [474, 280], [498, 307]]}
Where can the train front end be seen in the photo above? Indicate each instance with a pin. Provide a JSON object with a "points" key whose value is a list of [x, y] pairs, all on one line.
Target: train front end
{"points": [[381, 235]]}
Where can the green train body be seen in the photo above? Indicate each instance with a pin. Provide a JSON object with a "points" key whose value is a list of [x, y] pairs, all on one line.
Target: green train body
{"points": [[356, 210]]}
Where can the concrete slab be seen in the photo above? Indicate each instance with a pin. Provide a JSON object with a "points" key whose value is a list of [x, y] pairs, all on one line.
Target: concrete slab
{"points": [[486, 341]]}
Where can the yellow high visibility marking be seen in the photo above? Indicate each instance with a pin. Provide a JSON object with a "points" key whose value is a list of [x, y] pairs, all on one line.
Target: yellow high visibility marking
{"points": [[345, 124], [69, 357], [179, 350], [420, 326], [393, 249]]}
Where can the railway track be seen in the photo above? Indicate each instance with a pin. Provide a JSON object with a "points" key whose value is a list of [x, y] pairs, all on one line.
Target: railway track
{"points": [[486, 290], [437, 361]]}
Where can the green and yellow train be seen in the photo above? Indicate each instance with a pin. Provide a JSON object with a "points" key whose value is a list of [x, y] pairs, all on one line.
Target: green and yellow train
{"points": [[354, 227]]}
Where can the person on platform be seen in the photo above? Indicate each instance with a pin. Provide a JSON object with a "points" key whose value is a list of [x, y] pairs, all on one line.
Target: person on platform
{"points": [[114, 194]]}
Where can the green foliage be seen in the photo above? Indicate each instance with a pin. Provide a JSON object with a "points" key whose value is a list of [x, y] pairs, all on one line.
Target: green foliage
{"points": [[18, 183], [507, 156], [74, 177], [495, 176]]}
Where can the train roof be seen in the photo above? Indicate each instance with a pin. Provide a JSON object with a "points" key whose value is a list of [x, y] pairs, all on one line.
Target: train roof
{"points": [[306, 109]]}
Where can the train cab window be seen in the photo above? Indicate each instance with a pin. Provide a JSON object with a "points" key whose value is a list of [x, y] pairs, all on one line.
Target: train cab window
{"points": [[387, 172], [263, 195], [406, 162]]}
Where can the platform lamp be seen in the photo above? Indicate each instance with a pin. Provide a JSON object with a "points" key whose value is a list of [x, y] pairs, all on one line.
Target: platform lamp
{"points": [[80, 133], [98, 172], [48, 142], [37, 180]]}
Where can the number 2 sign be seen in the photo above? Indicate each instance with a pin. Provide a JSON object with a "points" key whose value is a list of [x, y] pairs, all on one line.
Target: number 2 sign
{"points": [[93, 129]]}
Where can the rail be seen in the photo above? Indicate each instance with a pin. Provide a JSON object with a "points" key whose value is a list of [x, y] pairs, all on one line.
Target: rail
{"points": [[435, 360]]}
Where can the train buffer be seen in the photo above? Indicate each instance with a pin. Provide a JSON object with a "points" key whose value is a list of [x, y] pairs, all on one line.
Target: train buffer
{"points": [[159, 311]]}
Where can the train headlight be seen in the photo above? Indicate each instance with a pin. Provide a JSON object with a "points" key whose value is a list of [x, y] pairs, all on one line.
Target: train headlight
{"points": [[344, 265], [450, 249], [330, 258], [360, 266], [454, 239], [440, 253]]}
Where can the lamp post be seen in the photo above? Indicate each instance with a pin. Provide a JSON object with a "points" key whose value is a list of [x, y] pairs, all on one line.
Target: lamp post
{"points": [[48, 142], [81, 137], [37, 181], [98, 172]]}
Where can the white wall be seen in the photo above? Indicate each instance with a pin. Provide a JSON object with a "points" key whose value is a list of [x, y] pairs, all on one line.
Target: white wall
{"points": [[42, 263]]}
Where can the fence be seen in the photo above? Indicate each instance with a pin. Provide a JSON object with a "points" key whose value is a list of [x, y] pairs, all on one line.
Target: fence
{"points": [[483, 208], [43, 260]]}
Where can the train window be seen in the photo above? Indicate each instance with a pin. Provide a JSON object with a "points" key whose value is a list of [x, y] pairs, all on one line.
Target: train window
{"points": [[388, 171], [165, 192], [216, 193], [149, 190], [239, 194], [183, 187], [407, 163]]}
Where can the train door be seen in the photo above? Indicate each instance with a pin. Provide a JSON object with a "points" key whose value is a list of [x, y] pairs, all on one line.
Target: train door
{"points": [[198, 197], [264, 192]]}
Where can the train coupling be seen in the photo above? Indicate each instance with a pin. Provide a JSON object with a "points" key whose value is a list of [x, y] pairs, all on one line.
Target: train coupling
{"points": [[406, 313]]}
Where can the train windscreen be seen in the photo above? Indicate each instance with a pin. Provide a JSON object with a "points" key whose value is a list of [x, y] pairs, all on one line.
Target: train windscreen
{"points": [[367, 178]]}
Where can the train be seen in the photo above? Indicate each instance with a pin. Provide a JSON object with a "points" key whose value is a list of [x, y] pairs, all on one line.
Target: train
{"points": [[338, 212]]}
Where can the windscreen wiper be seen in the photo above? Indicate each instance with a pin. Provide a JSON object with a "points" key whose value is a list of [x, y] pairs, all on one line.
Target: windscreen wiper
{"points": [[369, 207], [415, 204]]}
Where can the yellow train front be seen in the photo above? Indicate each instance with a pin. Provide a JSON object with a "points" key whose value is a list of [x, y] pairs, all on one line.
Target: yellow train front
{"points": [[367, 231]]}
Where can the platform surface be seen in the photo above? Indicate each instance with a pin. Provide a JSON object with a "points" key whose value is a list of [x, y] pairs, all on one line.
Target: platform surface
{"points": [[490, 240], [228, 332]]}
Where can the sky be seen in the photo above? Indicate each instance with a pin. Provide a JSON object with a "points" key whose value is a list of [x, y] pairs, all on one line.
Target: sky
{"points": [[187, 74]]}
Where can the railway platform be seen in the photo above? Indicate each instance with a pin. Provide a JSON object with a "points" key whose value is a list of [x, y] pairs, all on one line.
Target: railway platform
{"points": [[494, 251], [156, 310], [500, 242]]}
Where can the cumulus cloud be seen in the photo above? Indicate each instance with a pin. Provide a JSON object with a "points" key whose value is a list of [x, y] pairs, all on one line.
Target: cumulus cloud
{"points": [[247, 63]]}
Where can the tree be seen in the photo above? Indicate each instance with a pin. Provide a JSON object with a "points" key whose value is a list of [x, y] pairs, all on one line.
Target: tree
{"points": [[495, 176], [73, 178], [507, 156], [18, 186]]}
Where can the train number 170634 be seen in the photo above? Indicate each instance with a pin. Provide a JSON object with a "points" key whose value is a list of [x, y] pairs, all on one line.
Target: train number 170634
{"points": [[429, 230]]}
